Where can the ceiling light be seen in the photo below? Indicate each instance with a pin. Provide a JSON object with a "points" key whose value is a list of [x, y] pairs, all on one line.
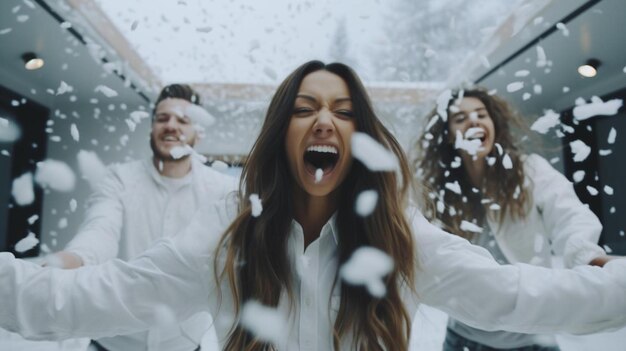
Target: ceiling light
{"points": [[31, 61], [589, 69]]}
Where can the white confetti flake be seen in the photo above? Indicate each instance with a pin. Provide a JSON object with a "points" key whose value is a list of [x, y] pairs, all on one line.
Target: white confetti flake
{"points": [[137, 116], [270, 73], [454, 187], [106, 91], [442, 104], [9, 131], [32, 219], [542, 60], [5, 31], [471, 146], [22, 18], [199, 115], [366, 202], [608, 190], [367, 266], [73, 205], [26, 243], [74, 132], [219, 165], [544, 123], [506, 162], [494, 207], [256, 205], [372, 154], [607, 249], [131, 125], [266, 323], [514, 86], [470, 227], [526, 96], [597, 107], [441, 206], [206, 29], [605, 152], [65, 25], [592, 191], [22, 189], [491, 161], [563, 29], [64, 88], [580, 150], [537, 89], [578, 176], [456, 163], [90, 167], [56, 175], [522, 73], [612, 136], [319, 173], [178, 152], [62, 223]]}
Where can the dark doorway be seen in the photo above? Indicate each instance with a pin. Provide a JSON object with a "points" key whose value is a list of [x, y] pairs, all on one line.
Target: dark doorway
{"points": [[17, 158], [605, 171]]}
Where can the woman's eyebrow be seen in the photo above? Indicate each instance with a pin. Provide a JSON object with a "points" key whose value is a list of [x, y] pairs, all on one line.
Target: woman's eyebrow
{"points": [[480, 109], [306, 97]]}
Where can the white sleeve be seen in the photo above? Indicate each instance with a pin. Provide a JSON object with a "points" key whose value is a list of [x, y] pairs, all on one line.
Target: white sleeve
{"points": [[574, 230], [174, 279], [464, 281], [97, 240]]}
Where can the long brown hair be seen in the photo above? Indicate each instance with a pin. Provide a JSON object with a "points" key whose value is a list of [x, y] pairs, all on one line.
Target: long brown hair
{"points": [[261, 243], [504, 187]]}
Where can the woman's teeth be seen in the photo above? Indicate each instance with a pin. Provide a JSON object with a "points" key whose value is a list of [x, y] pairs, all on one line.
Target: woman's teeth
{"points": [[322, 148]]}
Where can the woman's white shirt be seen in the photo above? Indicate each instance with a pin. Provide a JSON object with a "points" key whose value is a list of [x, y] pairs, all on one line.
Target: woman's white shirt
{"points": [[556, 222], [176, 278]]}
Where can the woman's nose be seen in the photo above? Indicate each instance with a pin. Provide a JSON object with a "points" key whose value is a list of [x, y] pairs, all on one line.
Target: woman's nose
{"points": [[324, 123]]}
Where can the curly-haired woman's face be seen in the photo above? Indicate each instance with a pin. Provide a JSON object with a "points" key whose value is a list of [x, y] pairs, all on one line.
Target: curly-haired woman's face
{"points": [[319, 133], [470, 120]]}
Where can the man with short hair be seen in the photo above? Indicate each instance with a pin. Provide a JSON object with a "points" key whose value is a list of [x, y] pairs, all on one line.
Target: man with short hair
{"points": [[139, 202]]}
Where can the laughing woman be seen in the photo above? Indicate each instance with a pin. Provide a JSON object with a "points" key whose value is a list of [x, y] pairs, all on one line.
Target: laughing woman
{"points": [[516, 206], [290, 256]]}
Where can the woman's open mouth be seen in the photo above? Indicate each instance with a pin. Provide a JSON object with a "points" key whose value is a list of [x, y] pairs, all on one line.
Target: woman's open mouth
{"points": [[324, 157], [476, 134]]}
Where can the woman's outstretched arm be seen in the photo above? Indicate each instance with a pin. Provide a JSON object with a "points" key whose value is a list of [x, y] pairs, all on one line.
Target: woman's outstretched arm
{"points": [[172, 280], [464, 281]]}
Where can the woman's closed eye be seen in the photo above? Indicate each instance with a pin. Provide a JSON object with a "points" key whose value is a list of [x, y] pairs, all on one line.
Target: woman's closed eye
{"points": [[345, 113], [303, 111]]}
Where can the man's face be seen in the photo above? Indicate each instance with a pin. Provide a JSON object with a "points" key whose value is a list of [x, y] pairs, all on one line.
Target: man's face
{"points": [[171, 127]]}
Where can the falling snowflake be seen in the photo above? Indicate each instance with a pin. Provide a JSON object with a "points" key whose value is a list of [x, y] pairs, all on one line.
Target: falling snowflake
{"points": [[256, 205], [372, 154], [367, 266], [366, 202]]}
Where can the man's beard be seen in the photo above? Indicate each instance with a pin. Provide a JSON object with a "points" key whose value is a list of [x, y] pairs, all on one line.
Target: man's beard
{"points": [[165, 156]]}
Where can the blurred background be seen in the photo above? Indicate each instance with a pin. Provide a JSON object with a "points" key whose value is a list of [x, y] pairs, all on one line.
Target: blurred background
{"points": [[77, 76]]}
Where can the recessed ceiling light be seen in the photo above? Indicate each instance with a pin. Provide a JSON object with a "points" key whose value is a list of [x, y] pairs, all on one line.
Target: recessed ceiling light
{"points": [[589, 69], [31, 61]]}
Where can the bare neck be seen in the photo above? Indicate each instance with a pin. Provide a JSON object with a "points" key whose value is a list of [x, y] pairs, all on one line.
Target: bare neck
{"points": [[172, 168], [475, 169], [312, 212]]}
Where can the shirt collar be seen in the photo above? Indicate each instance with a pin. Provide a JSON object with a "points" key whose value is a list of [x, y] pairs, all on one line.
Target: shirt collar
{"points": [[330, 228], [154, 172]]}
